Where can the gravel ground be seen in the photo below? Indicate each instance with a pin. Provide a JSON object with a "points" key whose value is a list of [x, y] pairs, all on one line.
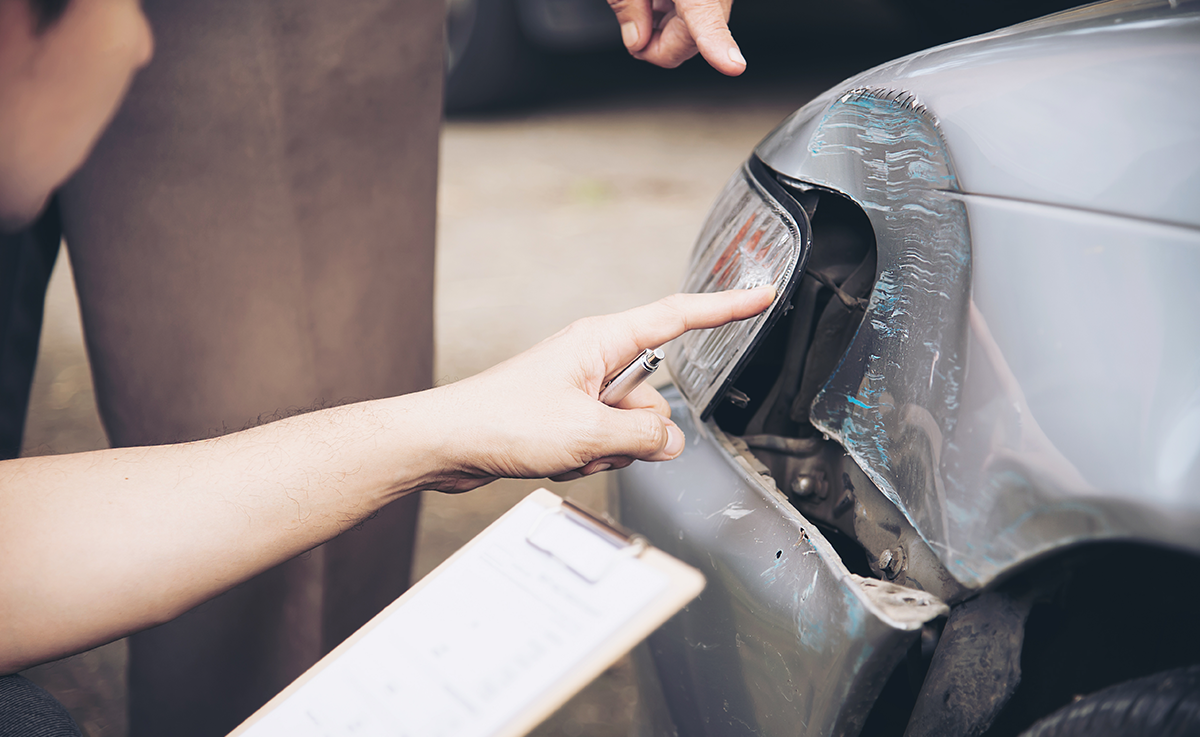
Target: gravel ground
{"points": [[587, 204]]}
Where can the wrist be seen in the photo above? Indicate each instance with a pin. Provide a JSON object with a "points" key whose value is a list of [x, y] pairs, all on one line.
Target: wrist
{"points": [[431, 442]]}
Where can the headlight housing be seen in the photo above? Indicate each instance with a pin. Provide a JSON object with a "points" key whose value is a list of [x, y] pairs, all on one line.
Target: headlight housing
{"points": [[756, 234]]}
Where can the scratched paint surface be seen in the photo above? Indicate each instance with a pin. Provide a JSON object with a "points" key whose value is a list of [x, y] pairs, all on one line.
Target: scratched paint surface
{"points": [[998, 443], [957, 417], [781, 640], [895, 395]]}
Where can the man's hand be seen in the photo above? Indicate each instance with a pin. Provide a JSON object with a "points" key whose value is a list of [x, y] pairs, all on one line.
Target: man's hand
{"points": [[669, 32], [537, 415], [96, 545]]}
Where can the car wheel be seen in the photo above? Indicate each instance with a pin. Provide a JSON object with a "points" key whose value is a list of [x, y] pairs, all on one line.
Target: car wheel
{"points": [[1165, 704], [488, 59]]}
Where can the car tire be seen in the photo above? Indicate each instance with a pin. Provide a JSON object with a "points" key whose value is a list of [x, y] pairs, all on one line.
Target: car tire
{"points": [[1165, 704], [488, 59]]}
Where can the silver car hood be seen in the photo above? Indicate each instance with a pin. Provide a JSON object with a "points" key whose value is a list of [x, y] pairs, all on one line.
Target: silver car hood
{"points": [[1095, 108], [1027, 376]]}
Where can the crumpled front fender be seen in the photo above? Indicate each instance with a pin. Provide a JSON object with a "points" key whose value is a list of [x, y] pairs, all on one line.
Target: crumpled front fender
{"points": [[784, 639]]}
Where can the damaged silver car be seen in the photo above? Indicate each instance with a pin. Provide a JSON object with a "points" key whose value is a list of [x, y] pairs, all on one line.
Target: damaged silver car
{"points": [[949, 484]]}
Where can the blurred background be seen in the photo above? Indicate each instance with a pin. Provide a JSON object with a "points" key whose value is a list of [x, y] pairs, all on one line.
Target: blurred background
{"points": [[573, 182]]}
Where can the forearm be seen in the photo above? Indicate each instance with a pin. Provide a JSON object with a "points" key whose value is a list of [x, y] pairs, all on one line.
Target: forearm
{"points": [[96, 545]]}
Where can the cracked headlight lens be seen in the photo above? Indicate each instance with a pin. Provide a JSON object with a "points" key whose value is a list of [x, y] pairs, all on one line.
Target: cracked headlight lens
{"points": [[756, 234]]}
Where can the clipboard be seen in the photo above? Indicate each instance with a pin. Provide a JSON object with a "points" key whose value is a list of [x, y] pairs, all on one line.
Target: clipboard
{"points": [[496, 638]]}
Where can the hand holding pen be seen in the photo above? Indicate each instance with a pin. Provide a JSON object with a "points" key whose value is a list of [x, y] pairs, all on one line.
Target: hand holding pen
{"points": [[536, 415]]}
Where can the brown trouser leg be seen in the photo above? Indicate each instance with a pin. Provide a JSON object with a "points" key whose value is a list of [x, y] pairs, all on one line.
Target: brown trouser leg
{"points": [[255, 233]]}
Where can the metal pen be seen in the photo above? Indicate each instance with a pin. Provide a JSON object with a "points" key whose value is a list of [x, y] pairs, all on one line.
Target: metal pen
{"points": [[638, 370]]}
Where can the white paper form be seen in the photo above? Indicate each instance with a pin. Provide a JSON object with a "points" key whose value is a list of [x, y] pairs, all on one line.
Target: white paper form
{"points": [[480, 642]]}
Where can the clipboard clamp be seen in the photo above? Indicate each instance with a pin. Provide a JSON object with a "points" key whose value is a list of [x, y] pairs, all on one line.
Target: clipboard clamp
{"points": [[628, 544]]}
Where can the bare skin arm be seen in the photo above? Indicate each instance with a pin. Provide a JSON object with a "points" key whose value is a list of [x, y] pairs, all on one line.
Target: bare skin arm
{"points": [[96, 545]]}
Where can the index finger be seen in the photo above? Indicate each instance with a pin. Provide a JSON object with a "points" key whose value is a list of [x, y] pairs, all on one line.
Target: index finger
{"points": [[658, 322], [708, 22]]}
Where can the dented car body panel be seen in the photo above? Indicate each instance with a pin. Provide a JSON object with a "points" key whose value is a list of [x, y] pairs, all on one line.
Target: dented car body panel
{"points": [[1025, 380], [780, 613], [997, 392]]}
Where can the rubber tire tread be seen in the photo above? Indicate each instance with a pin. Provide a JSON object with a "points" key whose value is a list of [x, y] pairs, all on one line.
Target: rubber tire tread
{"points": [[1165, 704]]}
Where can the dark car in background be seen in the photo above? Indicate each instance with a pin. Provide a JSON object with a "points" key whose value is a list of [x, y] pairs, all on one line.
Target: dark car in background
{"points": [[499, 51], [949, 484]]}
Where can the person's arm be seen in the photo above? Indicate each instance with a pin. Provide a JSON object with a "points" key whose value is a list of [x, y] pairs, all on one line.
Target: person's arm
{"points": [[96, 545], [669, 32]]}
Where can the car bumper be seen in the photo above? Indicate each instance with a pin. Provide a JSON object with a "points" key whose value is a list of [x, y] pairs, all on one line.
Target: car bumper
{"points": [[784, 639]]}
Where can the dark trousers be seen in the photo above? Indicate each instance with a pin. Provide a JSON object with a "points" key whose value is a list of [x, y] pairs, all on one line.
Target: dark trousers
{"points": [[254, 233], [28, 711]]}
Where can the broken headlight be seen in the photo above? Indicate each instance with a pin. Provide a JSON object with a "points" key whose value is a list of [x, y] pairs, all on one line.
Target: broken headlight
{"points": [[756, 234]]}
